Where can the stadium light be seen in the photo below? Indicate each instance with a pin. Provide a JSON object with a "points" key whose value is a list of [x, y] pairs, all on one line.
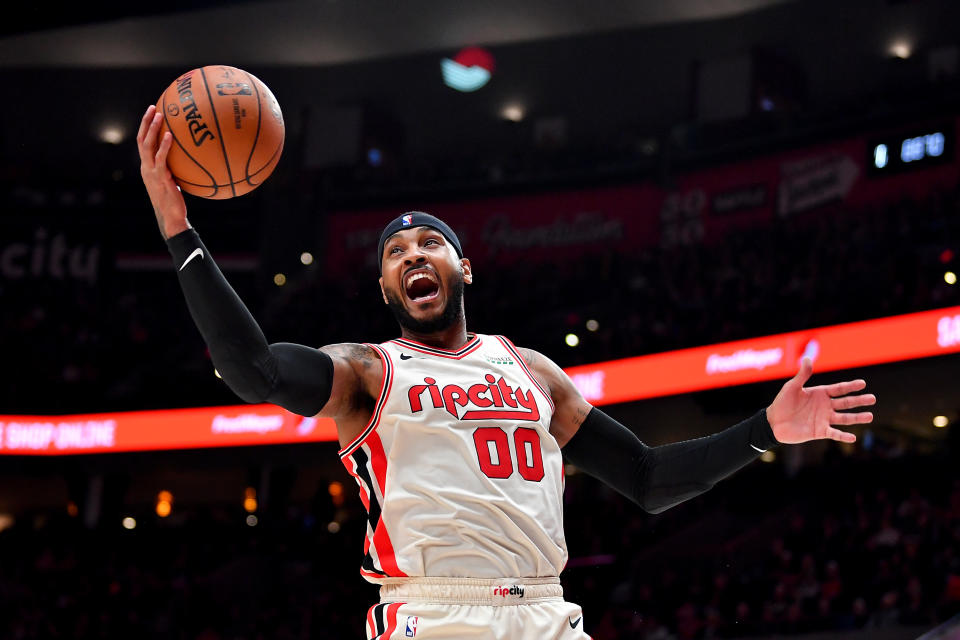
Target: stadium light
{"points": [[941, 421], [901, 49], [513, 112], [112, 134], [250, 499], [164, 503]]}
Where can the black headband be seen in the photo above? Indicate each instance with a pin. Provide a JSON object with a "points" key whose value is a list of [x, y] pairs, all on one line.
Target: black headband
{"points": [[416, 219]]}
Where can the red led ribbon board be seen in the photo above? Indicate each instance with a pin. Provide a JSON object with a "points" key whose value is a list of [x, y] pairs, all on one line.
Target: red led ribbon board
{"points": [[231, 426], [847, 346]]}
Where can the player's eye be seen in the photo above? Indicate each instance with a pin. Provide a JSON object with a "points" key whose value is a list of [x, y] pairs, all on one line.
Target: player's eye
{"points": [[433, 240], [394, 249]]}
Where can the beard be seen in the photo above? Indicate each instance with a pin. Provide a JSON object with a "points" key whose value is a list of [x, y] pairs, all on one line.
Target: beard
{"points": [[452, 312]]}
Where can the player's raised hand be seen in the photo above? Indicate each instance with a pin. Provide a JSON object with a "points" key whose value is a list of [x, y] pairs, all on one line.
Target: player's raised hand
{"points": [[165, 196], [801, 414]]}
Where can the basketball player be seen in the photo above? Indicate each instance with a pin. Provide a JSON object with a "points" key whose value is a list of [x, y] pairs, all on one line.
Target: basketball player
{"points": [[455, 438]]}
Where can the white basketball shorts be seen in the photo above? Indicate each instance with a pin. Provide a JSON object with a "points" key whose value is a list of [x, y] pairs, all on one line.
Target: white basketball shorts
{"points": [[474, 609]]}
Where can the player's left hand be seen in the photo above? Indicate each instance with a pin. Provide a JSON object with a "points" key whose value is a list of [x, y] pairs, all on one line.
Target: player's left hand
{"points": [[801, 414]]}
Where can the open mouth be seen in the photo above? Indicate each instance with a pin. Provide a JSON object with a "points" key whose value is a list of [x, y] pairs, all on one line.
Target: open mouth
{"points": [[421, 286]]}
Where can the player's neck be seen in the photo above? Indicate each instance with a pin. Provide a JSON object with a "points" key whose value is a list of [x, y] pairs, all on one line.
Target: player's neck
{"points": [[451, 338]]}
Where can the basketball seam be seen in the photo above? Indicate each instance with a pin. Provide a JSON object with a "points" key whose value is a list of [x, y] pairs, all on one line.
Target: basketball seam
{"points": [[264, 167], [216, 121], [261, 170], [216, 187], [256, 137]]}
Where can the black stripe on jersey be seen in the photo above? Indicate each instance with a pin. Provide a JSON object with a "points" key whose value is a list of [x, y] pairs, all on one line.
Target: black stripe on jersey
{"points": [[373, 514], [367, 565], [378, 619]]}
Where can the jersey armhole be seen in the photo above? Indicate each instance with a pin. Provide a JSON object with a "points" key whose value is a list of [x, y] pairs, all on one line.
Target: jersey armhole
{"points": [[385, 385], [512, 349]]}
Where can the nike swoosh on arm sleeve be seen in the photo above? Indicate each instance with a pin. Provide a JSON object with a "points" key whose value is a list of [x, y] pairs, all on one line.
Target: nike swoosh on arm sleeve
{"points": [[296, 377]]}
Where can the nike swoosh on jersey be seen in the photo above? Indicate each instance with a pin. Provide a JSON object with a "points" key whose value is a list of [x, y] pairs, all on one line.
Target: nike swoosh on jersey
{"points": [[573, 623], [404, 356], [196, 252]]}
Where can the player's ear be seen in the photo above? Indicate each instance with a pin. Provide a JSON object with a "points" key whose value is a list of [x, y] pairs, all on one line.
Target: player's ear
{"points": [[467, 270], [382, 292]]}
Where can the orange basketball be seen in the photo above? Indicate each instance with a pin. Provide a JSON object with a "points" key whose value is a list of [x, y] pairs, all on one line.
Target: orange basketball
{"points": [[227, 131]]}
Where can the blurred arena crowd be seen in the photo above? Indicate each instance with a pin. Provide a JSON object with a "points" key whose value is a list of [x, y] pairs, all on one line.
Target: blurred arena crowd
{"points": [[843, 546]]}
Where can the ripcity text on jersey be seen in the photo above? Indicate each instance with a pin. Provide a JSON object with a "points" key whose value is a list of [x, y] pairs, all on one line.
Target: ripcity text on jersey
{"points": [[457, 468]]}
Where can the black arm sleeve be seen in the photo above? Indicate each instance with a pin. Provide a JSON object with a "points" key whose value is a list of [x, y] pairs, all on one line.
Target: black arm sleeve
{"points": [[657, 478], [296, 377]]}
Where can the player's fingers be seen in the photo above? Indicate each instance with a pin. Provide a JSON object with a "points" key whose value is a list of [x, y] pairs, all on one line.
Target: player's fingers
{"points": [[850, 402], [165, 142], [144, 127], [840, 436], [843, 388], [144, 123], [804, 373], [860, 417], [148, 148]]}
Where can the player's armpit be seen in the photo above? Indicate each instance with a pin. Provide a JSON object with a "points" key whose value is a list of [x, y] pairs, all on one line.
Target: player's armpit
{"points": [[357, 376], [570, 407]]}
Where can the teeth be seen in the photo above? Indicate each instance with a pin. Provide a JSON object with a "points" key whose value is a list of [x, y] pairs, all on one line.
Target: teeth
{"points": [[416, 276]]}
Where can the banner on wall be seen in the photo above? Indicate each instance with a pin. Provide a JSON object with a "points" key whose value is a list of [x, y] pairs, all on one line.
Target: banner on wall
{"points": [[703, 207]]}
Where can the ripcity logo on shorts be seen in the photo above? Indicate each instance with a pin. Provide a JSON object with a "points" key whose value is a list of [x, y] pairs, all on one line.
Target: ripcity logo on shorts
{"points": [[495, 400], [506, 592]]}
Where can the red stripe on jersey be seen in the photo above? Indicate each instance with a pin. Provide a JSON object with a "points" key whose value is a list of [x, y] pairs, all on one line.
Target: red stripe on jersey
{"points": [[371, 627], [509, 346], [381, 538], [495, 414], [374, 577], [378, 460], [391, 617]]}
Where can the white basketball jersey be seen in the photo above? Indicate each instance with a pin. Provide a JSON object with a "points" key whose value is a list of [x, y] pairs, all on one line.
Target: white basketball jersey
{"points": [[457, 468]]}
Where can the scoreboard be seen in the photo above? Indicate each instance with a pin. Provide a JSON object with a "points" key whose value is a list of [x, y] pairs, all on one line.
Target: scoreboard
{"points": [[917, 148]]}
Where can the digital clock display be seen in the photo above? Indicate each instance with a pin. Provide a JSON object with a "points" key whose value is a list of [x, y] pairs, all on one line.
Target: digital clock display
{"points": [[917, 149]]}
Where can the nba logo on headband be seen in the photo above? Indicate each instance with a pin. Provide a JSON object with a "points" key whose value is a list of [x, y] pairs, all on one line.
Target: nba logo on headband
{"points": [[407, 220]]}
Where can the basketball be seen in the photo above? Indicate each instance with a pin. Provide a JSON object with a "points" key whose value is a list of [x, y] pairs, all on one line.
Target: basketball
{"points": [[227, 131]]}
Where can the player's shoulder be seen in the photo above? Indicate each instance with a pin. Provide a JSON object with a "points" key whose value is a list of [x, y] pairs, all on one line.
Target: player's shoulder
{"points": [[359, 357], [358, 371]]}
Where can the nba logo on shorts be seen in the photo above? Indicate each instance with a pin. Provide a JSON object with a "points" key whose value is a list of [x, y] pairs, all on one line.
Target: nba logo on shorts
{"points": [[407, 220], [412, 626]]}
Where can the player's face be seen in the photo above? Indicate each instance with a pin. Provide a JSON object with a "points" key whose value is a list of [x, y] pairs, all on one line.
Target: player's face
{"points": [[423, 279]]}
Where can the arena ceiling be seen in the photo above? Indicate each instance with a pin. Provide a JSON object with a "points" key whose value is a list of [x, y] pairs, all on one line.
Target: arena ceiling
{"points": [[317, 32]]}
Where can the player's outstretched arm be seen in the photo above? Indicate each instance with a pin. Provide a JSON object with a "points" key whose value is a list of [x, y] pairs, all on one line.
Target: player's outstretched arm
{"points": [[658, 478], [298, 378]]}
